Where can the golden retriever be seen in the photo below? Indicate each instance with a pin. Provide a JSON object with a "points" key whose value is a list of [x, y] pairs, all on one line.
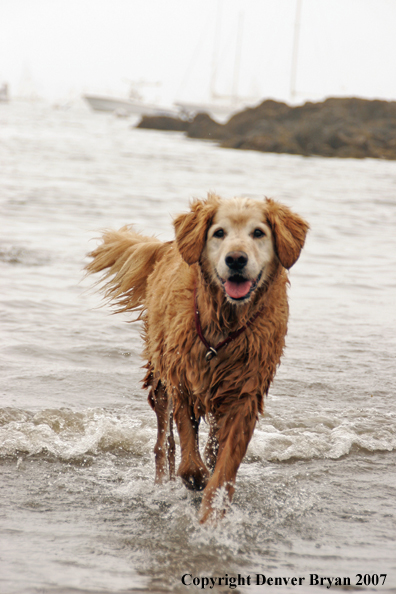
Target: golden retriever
{"points": [[214, 309]]}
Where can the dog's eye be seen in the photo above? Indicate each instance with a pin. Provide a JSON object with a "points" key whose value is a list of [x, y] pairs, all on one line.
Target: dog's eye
{"points": [[219, 233], [258, 233]]}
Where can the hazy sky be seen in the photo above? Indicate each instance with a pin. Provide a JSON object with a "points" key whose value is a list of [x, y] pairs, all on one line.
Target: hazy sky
{"points": [[61, 48]]}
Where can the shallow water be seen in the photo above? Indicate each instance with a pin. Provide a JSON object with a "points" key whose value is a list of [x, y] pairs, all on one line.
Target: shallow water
{"points": [[316, 493]]}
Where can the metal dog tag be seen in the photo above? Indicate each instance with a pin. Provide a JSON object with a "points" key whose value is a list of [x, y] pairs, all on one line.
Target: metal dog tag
{"points": [[210, 354]]}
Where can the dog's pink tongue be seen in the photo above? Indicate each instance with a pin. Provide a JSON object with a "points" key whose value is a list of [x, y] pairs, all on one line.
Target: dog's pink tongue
{"points": [[237, 290]]}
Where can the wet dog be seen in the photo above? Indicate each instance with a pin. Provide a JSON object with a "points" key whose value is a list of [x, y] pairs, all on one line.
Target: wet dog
{"points": [[214, 309]]}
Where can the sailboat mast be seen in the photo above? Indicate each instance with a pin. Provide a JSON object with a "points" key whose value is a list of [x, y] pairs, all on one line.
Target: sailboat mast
{"points": [[293, 78], [216, 44], [237, 58]]}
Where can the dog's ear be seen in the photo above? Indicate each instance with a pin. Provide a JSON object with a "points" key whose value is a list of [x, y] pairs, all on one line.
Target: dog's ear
{"points": [[289, 232], [191, 228]]}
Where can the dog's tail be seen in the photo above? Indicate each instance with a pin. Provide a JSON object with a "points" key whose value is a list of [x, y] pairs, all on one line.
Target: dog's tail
{"points": [[128, 259]]}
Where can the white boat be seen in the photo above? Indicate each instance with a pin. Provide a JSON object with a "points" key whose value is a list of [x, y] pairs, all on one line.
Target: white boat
{"points": [[127, 106]]}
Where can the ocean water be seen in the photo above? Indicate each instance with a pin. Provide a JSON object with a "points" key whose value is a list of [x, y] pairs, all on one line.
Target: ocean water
{"points": [[316, 493]]}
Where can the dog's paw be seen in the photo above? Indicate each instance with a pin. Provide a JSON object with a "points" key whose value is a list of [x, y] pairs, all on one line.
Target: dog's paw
{"points": [[195, 478]]}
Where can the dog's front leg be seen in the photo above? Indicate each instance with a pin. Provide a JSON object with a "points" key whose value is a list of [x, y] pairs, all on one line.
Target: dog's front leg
{"points": [[235, 430], [212, 445], [192, 470]]}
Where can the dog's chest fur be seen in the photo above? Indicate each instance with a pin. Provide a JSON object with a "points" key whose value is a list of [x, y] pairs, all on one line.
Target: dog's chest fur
{"points": [[177, 354]]}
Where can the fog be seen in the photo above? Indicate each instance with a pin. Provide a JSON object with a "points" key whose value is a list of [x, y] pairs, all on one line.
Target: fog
{"points": [[58, 50]]}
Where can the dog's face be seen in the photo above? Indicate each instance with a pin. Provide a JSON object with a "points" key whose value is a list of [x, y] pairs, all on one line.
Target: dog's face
{"points": [[239, 242], [239, 249]]}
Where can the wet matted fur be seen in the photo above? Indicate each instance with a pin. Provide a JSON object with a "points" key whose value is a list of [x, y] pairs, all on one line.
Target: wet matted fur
{"points": [[225, 271]]}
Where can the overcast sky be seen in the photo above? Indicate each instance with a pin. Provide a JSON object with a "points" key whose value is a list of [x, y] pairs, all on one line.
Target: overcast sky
{"points": [[62, 48]]}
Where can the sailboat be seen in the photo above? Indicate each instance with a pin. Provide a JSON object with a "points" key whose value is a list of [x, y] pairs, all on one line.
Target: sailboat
{"points": [[220, 105]]}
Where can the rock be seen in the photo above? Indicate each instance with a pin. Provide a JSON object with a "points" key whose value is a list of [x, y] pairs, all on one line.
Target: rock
{"points": [[202, 126], [268, 111], [337, 127], [163, 123]]}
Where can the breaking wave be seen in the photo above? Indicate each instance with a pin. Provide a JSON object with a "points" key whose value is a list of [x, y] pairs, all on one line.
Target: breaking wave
{"points": [[67, 434]]}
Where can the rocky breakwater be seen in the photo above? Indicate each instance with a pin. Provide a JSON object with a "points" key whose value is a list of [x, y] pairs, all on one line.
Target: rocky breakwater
{"points": [[337, 127]]}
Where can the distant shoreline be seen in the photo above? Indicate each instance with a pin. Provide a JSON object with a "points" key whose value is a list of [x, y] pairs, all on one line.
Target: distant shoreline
{"points": [[337, 127]]}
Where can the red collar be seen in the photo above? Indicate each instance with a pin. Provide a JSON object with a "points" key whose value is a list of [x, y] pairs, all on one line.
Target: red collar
{"points": [[212, 351]]}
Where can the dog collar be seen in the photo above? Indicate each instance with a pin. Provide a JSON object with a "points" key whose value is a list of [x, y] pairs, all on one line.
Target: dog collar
{"points": [[213, 351]]}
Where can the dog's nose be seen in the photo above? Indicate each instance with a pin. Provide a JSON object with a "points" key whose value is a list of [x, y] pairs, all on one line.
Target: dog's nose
{"points": [[236, 260]]}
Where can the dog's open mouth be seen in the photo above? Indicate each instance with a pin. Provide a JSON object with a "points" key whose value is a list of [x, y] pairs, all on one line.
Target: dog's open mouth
{"points": [[238, 287]]}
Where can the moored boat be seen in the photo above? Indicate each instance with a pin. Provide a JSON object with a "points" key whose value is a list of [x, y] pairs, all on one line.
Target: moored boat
{"points": [[127, 106]]}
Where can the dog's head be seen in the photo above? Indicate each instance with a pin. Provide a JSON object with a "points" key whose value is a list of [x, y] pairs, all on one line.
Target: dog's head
{"points": [[238, 241]]}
